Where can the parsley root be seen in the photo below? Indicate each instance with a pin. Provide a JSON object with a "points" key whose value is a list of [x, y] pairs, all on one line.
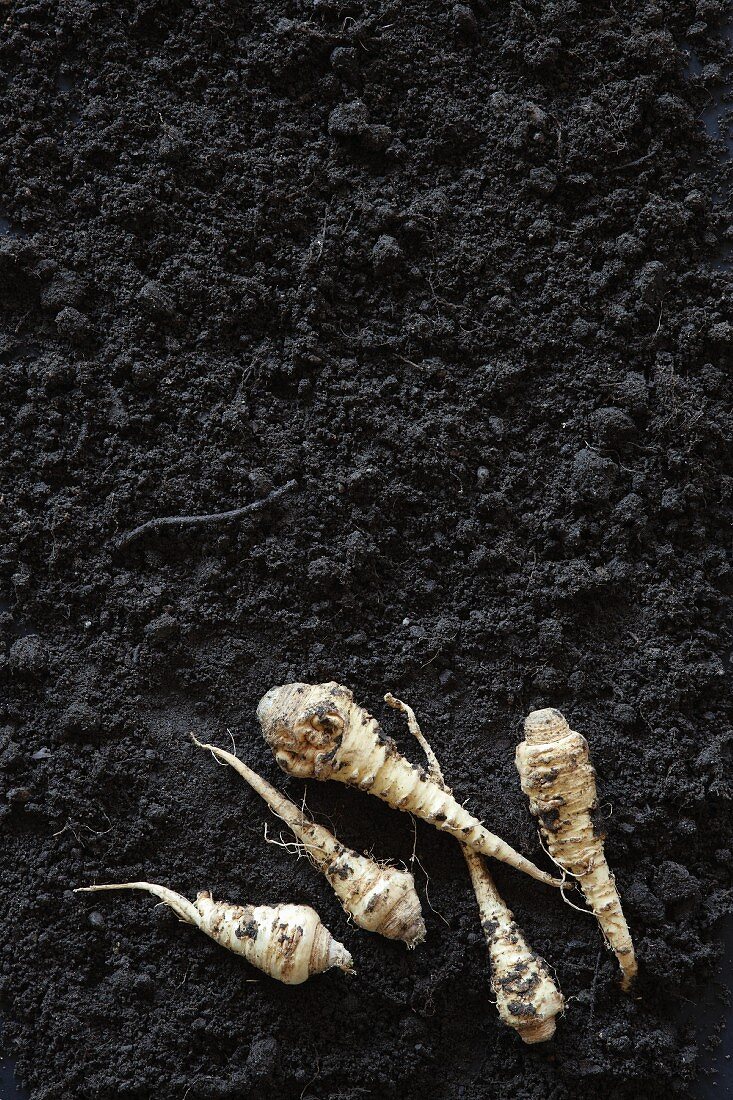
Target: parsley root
{"points": [[378, 897], [288, 942], [527, 998], [556, 774], [319, 731]]}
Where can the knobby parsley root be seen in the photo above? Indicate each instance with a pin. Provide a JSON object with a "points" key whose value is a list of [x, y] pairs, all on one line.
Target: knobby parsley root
{"points": [[527, 997], [378, 897], [319, 731], [288, 942], [556, 773]]}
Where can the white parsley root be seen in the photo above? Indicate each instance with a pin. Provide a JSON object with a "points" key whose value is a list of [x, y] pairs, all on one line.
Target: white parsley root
{"points": [[318, 731], [527, 997], [288, 942], [556, 774], [379, 898]]}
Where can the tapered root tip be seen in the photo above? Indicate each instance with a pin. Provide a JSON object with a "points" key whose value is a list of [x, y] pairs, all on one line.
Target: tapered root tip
{"points": [[545, 725], [326, 952], [340, 957], [418, 938], [111, 886], [628, 978]]}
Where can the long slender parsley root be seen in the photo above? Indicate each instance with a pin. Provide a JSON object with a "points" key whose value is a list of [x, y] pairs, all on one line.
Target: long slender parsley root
{"points": [[527, 997], [319, 731], [288, 942], [378, 897], [556, 774]]}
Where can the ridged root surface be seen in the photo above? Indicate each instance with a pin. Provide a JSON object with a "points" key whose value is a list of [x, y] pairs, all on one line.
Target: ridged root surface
{"points": [[557, 776], [318, 731], [378, 897], [288, 942], [527, 997]]}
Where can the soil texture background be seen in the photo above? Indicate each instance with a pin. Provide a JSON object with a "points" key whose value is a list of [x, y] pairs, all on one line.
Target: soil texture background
{"points": [[460, 271]]}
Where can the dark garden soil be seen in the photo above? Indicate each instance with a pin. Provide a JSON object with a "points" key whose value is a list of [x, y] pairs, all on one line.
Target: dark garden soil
{"points": [[457, 271]]}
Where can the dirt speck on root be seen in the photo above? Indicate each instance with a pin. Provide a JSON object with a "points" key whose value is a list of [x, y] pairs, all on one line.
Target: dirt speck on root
{"points": [[455, 271]]}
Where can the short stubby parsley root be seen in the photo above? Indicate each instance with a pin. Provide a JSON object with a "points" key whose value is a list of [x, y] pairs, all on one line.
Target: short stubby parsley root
{"points": [[527, 997], [288, 942], [378, 897], [556, 774], [318, 731]]}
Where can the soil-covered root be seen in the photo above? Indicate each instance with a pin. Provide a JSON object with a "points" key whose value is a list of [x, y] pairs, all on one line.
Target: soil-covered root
{"points": [[527, 997], [556, 774], [318, 731], [288, 942], [378, 897]]}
